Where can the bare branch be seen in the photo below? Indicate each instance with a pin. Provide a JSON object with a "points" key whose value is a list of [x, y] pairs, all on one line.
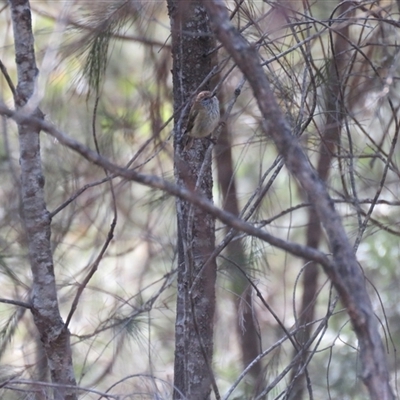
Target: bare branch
{"points": [[175, 190], [16, 303], [345, 272]]}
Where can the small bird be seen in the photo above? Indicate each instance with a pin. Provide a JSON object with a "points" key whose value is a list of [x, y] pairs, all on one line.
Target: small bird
{"points": [[203, 117]]}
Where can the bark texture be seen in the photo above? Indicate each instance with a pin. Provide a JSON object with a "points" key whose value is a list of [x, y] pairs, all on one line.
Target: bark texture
{"points": [[44, 304], [192, 40], [345, 272]]}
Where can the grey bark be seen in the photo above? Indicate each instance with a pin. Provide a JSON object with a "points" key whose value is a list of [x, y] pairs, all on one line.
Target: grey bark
{"points": [[192, 40], [44, 304], [344, 272]]}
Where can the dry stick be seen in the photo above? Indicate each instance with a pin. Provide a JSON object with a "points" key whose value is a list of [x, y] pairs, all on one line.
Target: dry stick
{"points": [[322, 326], [13, 382], [146, 307], [8, 79], [158, 183], [92, 271], [11, 85], [320, 331], [100, 182], [263, 301], [167, 383], [16, 303], [380, 188], [110, 234], [345, 273]]}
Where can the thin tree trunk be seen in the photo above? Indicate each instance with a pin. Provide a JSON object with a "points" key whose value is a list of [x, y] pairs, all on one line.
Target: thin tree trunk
{"points": [[330, 138], [44, 304], [245, 320], [192, 40]]}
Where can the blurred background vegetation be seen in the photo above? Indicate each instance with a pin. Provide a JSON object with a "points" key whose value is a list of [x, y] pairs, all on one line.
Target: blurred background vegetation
{"points": [[105, 74]]}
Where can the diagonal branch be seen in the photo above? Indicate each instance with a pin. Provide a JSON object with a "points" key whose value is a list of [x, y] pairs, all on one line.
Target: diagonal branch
{"points": [[175, 190], [345, 273]]}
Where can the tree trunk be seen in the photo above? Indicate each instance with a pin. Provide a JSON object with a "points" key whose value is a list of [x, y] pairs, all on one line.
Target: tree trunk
{"points": [[330, 138], [44, 304], [245, 321], [192, 40]]}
